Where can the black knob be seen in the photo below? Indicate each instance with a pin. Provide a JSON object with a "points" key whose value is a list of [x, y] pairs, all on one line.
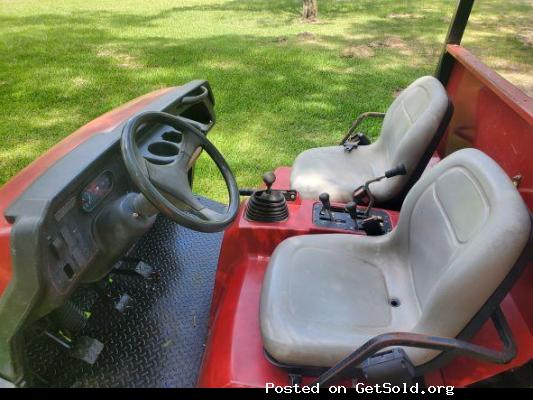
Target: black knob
{"points": [[398, 170], [351, 208], [269, 178], [324, 199]]}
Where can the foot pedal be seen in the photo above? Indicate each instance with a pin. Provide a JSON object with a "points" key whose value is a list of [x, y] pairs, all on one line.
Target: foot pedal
{"points": [[123, 303], [86, 349], [144, 270], [83, 348], [141, 269]]}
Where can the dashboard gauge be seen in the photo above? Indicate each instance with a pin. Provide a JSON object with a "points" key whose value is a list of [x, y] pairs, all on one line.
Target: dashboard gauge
{"points": [[96, 191]]}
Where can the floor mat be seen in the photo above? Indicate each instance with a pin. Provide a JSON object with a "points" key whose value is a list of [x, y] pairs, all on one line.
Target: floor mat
{"points": [[159, 341]]}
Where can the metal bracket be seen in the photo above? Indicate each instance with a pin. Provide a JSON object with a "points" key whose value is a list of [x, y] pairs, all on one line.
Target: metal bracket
{"points": [[349, 145], [349, 135], [295, 380]]}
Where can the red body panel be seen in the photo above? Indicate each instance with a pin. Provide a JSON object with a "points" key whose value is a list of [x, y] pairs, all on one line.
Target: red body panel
{"points": [[12, 189], [495, 117]]}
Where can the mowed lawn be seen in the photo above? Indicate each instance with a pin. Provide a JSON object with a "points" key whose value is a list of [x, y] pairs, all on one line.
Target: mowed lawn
{"points": [[281, 85]]}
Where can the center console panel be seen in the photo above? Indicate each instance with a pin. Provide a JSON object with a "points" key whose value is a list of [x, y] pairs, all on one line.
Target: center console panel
{"points": [[260, 211], [340, 219]]}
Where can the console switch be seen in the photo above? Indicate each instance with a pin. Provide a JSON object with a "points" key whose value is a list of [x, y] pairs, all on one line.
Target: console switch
{"points": [[58, 247]]}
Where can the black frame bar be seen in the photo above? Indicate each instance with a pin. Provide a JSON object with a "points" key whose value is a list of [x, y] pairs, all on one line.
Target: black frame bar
{"points": [[417, 340], [454, 36]]}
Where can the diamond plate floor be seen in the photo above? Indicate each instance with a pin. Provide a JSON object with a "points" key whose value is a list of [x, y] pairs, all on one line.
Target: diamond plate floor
{"points": [[159, 342]]}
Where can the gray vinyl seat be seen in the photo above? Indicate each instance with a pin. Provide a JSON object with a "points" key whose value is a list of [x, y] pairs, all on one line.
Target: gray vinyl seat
{"points": [[461, 229], [415, 118]]}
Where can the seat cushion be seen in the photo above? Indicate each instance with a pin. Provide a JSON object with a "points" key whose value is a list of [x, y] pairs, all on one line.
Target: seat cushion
{"points": [[325, 295], [410, 132], [332, 170]]}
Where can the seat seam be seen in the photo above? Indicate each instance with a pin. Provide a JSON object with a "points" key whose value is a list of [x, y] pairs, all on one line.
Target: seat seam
{"points": [[447, 218], [404, 109]]}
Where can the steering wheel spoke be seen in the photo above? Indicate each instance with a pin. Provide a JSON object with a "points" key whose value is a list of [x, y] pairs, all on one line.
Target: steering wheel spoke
{"points": [[210, 215]]}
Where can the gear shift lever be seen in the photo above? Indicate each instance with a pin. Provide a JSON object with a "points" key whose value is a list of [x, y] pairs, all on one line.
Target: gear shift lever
{"points": [[268, 205], [326, 205], [269, 178]]}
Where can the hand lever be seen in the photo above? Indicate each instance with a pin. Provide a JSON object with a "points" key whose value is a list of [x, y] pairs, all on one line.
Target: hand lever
{"points": [[398, 170], [326, 205], [351, 208], [269, 178]]}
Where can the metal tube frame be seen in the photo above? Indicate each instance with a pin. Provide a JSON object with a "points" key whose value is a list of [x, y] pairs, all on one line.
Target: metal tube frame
{"points": [[417, 340], [454, 36], [358, 121]]}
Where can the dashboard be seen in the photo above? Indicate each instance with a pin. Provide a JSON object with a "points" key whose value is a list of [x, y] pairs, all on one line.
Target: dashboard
{"points": [[69, 229], [55, 235]]}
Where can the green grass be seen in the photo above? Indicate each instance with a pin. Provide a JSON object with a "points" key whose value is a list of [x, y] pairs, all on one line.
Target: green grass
{"points": [[63, 63]]}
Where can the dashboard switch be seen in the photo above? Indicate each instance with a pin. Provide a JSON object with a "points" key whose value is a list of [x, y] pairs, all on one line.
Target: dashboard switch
{"points": [[58, 247]]}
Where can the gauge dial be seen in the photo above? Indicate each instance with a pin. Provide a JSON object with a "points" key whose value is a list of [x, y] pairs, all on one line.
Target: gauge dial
{"points": [[96, 191]]}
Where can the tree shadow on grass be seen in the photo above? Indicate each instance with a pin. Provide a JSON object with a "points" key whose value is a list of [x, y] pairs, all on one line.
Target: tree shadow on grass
{"points": [[275, 97]]}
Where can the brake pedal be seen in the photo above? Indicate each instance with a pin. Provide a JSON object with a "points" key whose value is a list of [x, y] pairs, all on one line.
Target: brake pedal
{"points": [[141, 269], [86, 349]]}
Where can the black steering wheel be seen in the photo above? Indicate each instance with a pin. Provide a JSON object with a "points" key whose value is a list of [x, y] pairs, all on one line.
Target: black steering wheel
{"points": [[166, 185]]}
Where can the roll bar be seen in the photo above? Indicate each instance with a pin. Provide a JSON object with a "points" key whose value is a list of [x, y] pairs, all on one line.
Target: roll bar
{"points": [[454, 36]]}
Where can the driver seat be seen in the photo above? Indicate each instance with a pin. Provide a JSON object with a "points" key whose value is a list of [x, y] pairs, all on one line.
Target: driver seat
{"points": [[412, 128], [461, 229]]}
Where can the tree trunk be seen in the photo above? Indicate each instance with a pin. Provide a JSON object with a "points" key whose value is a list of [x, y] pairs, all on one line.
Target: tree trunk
{"points": [[310, 10]]}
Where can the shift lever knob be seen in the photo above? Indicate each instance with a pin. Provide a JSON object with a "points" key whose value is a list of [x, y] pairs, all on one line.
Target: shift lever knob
{"points": [[351, 208], [326, 205], [398, 170], [324, 199], [269, 178]]}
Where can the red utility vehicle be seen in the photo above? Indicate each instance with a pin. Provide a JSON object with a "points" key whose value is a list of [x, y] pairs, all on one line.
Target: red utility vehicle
{"points": [[405, 260]]}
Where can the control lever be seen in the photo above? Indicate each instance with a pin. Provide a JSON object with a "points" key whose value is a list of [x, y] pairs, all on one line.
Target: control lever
{"points": [[351, 208], [269, 178], [268, 205], [364, 190], [326, 205], [398, 170]]}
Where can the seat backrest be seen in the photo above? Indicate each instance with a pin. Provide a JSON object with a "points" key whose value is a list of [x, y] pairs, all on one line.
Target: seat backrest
{"points": [[411, 123], [462, 227]]}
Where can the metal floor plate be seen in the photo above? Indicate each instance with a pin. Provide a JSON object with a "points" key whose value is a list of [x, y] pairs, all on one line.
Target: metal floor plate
{"points": [[159, 341]]}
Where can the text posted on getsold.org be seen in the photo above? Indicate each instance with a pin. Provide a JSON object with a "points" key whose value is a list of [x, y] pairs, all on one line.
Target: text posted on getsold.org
{"points": [[385, 388]]}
